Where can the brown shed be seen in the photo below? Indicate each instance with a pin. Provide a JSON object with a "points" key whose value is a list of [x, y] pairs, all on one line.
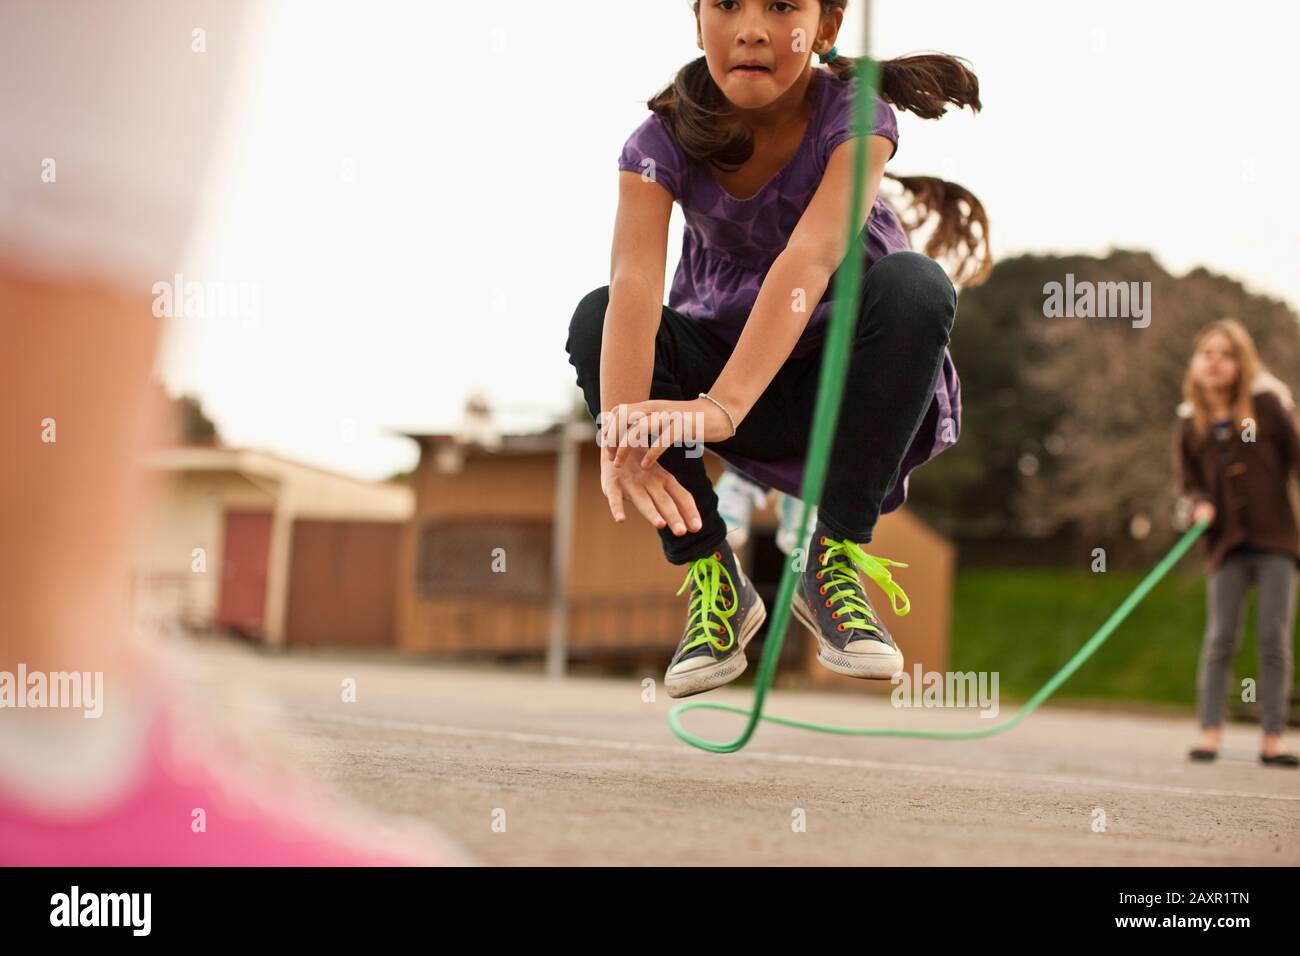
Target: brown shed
{"points": [[275, 549]]}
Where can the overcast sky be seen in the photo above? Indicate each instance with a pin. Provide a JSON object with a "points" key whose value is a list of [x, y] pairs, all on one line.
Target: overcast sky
{"points": [[420, 193]]}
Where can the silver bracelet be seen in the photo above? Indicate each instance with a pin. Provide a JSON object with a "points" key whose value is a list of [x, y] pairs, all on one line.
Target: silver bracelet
{"points": [[724, 411]]}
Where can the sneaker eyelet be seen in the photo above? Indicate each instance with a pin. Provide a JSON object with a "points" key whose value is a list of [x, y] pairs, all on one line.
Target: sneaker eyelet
{"points": [[827, 602], [822, 589], [718, 555], [839, 627], [834, 615]]}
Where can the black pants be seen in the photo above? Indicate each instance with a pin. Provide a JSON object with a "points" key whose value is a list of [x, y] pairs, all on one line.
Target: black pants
{"points": [[905, 317]]}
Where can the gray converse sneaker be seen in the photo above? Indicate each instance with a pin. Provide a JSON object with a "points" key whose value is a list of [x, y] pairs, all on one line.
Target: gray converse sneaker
{"points": [[830, 602], [725, 611]]}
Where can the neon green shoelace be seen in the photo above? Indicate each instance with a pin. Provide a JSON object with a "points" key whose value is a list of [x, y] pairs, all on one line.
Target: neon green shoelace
{"points": [[845, 578], [707, 574]]}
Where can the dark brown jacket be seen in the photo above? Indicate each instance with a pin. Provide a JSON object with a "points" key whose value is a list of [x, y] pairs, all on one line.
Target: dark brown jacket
{"points": [[1248, 482]]}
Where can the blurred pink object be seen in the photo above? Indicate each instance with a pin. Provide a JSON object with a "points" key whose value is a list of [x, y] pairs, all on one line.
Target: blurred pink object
{"points": [[247, 820]]}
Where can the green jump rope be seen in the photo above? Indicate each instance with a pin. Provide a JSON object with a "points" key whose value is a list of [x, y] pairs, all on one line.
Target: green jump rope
{"points": [[830, 391], [776, 637]]}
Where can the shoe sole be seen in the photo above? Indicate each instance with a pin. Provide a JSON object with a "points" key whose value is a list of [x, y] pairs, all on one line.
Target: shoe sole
{"points": [[877, 666], [720, 672]]}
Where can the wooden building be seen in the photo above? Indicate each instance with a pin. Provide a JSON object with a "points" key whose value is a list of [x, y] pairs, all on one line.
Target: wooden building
{"points": [[276, 550]]}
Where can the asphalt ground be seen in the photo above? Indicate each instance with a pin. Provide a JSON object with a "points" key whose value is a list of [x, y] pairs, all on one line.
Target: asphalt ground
{"points": [[517, 768]]}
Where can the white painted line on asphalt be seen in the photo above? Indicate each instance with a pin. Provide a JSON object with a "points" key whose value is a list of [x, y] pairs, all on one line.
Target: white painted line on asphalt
{"points": [[446, 730]]}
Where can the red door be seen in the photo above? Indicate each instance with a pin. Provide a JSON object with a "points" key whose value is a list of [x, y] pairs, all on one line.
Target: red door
{"points": [[247, 554]]}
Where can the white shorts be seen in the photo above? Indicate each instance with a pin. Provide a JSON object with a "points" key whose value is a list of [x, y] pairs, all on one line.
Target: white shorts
{"points": [[110, 113]]}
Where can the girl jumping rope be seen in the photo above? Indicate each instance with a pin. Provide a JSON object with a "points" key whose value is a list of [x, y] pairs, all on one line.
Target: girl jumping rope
{"points": [[756, 145], [1236, 449]]}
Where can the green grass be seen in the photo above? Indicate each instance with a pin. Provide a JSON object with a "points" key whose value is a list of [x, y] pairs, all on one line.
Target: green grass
{"points": [[1025, 624]]}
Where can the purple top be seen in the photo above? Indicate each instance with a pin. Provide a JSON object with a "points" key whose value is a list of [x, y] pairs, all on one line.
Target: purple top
{"points": [[729, 244]]}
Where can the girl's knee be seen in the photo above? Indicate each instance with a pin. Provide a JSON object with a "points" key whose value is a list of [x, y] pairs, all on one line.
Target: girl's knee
{"points": [[920, 285], [588, 323], [1272, 645], [1220, 642]]}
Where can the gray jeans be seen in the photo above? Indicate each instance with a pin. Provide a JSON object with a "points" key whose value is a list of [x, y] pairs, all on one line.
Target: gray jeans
{"points": [[1275, 575]]}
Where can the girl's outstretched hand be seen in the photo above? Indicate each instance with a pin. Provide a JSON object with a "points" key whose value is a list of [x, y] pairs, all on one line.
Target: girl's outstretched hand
{"points": [[1204, 511], [654, 426], [655, 492]]}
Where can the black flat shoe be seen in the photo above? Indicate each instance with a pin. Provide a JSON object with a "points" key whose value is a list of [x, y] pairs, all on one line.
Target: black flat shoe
{"points": [[1203, 755], [1280, 760]]}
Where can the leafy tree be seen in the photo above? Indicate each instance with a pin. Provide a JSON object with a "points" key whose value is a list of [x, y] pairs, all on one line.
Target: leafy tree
{"points": [[1068, 422]]}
